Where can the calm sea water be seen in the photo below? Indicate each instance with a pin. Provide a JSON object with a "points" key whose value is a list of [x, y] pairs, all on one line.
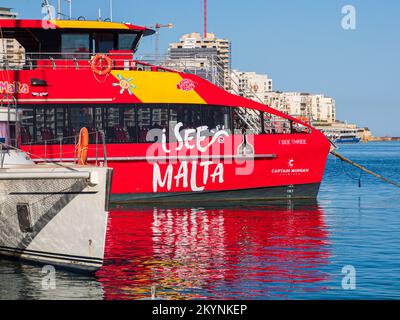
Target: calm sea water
{"points": [[290, 251]]}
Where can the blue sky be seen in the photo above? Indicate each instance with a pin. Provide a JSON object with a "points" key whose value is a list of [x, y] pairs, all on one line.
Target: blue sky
{"points": [[301, 45]]}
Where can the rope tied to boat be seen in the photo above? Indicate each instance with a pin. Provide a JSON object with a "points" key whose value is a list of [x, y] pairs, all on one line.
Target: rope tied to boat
{"points": [[344, 159]]}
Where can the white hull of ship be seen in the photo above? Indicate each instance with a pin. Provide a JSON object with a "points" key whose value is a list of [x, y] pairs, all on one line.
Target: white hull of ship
{"points": [[55, 215]]}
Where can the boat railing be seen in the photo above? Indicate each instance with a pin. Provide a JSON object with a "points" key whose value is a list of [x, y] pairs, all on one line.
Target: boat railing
{"points": [[77, 61], [250, 116], [121, 60], [207, 67], [56, 150]]}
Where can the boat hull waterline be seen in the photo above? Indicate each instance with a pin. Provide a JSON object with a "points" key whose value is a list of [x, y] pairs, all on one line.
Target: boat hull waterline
{"points": [[285, 193]]}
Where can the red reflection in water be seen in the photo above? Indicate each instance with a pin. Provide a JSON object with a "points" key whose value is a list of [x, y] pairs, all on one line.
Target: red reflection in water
{"points": [[214, 253]]}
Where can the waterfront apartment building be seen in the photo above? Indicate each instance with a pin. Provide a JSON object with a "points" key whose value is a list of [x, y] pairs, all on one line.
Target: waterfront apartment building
{"points": [[12, 54], [322, 109], [211, 52], [250, 85], [314, 108]]}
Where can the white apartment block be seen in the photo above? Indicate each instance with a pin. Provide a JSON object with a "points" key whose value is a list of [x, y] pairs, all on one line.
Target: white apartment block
{"points": [[277, 101], [12, 54], [250, 85], [322, 109], [316, 108]]}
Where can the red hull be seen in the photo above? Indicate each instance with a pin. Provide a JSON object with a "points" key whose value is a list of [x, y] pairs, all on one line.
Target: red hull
{"points": [[289, 161]]}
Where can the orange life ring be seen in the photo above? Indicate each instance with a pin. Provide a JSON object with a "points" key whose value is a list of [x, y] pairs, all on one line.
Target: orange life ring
{"points": [[82, 146], [98, 66]]}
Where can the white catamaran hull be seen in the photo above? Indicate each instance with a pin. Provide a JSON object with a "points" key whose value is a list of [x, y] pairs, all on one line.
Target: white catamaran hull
{"points": [[55, 215]]}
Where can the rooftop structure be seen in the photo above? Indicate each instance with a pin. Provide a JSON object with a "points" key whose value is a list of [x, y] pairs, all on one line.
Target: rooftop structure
{"points": [[6, 13]]}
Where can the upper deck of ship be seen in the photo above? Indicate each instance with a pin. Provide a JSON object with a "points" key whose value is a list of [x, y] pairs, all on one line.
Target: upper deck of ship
{"points": [[38, 44], [82, 25], [59, 38]]}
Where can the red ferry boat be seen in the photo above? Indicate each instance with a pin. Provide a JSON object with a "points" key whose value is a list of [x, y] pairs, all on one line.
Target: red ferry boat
{"points": [[170, 136]]}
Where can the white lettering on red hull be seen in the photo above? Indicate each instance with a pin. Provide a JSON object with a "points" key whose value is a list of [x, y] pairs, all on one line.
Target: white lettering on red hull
{"points": [[13, 87], [288, 142], [290, 171], [182, 176], [192, 139]]}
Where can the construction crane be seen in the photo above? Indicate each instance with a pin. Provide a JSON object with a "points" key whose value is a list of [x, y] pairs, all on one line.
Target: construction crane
{"points": [[157, 27], [205, 19]]}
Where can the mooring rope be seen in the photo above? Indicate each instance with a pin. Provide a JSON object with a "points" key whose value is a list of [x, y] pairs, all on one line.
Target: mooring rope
{"points": [[343, 158]]}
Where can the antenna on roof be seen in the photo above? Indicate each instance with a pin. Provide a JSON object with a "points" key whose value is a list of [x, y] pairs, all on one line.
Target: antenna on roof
{"points": [[111, 10], [205, 19], [70, 8], [46, 5], [59, 10]]}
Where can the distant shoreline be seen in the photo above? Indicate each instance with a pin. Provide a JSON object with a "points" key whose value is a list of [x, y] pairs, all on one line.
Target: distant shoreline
{"points": [[383, 139]]}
